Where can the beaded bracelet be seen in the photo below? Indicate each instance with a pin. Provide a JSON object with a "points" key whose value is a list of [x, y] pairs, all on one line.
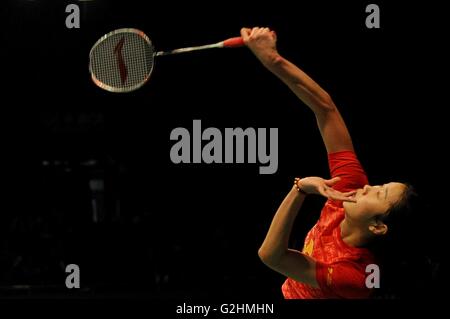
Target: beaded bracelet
{"points": [[298, 187]]}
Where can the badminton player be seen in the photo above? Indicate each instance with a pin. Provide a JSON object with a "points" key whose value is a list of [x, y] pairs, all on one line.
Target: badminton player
{"points": [[356, 214]]}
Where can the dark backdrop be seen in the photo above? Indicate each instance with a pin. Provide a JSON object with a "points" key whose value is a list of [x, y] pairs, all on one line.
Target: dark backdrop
{"points": [[193, 230]]}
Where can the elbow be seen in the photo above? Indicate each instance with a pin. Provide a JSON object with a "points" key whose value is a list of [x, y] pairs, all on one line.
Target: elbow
{"points": [[262, 254], [267, 257]]}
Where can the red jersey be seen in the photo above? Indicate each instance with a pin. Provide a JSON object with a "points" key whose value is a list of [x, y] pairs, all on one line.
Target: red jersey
{"points": [[340, 269]]}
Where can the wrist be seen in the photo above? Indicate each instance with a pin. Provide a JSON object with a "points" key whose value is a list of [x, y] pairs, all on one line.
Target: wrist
{"points": [[298, 187], [271, 59]]}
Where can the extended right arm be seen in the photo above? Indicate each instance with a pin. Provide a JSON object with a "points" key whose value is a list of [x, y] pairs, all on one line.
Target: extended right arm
{"points": [[332, 127]]}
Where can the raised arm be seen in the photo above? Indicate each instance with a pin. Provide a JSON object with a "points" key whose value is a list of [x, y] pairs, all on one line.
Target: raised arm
{"points": [[274, 251], [262, 42]]}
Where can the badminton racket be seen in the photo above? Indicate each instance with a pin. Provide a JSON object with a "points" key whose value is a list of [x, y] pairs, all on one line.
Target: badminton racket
{"points": [[123, 60]]}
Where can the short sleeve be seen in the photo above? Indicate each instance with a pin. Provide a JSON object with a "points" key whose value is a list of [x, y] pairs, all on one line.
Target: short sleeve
{"points": [[342, 279], [345, 164]]}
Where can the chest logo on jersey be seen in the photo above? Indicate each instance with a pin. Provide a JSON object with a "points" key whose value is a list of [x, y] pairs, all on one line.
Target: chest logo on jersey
{"points": [[309, 247]]}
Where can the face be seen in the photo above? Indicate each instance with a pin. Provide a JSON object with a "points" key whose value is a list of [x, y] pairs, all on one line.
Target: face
{"points": [[373, 200]]}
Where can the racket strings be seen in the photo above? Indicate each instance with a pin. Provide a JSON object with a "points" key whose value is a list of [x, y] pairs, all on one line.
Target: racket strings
{"points": [[122, 61]]}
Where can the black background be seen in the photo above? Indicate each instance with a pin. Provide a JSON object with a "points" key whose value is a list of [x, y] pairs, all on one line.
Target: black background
{"points": [[176, 232]]}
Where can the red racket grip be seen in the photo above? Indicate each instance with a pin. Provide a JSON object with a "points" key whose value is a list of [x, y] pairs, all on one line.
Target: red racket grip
{"points": [[233, 42]]}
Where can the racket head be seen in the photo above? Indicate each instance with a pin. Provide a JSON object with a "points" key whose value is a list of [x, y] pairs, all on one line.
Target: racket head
{"points": [[122, 60]]}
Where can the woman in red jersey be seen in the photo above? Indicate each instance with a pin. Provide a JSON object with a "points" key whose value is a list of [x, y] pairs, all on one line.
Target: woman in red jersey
{"points": [[335, 257]]}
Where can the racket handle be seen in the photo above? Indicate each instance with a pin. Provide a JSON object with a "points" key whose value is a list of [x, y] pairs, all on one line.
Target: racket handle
{"points": [[233, 42]]}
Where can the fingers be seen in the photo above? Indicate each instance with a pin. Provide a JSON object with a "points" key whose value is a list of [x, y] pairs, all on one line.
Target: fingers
{"points": [[323, 190], [261, 31], [349, 193], [336, 195], [245, 33], [274, 35], [255, 32], [331, 182], [333, 194], [344, 199]]}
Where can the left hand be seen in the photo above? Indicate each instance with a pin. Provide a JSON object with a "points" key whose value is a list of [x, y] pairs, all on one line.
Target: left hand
{"points": [[324, 187]]}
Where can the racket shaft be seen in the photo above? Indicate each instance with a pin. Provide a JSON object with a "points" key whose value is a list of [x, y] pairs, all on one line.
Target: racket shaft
{"points": [[229, 43]]}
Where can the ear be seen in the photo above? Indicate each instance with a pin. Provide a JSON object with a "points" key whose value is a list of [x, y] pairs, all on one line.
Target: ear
{"points": [[378, 228]]}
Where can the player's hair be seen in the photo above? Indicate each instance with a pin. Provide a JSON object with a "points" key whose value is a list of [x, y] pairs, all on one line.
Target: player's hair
{"points": [[397, 251]]}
